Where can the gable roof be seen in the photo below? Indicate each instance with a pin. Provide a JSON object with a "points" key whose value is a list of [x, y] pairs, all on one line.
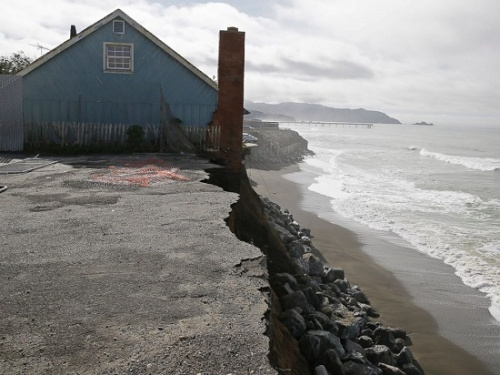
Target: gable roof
{"points": [[89, 30]]}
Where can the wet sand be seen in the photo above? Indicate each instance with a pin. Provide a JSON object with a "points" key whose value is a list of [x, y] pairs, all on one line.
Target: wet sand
{"points": [[388, 294]]}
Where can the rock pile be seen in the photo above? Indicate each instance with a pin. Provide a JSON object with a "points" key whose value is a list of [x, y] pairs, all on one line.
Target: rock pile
{"points": [[276, 148], [329, 318]]}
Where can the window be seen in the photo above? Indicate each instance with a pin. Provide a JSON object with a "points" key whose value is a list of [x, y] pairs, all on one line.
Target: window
{"points": [[119, 27], [118, 57]]}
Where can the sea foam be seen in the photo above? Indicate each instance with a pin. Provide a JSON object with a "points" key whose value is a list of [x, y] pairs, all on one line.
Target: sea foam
{"points": [[480, 164], [436, 222], [446, 204]]}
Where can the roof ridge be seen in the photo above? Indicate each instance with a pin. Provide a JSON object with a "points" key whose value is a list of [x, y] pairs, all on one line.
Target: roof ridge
{"points": [[105, 20]]}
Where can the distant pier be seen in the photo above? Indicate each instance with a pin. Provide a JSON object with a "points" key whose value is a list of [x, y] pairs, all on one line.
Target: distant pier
{"points": [[329, 124]]}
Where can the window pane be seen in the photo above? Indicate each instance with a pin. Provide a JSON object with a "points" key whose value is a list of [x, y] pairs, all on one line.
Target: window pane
{"points": [[119, 57]]}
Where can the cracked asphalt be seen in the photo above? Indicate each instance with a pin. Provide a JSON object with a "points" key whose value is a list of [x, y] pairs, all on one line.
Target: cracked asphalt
{"points": [[98, 278]]}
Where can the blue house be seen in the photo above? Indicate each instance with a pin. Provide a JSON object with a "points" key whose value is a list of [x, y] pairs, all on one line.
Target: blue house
{"points": [[115, 72]]}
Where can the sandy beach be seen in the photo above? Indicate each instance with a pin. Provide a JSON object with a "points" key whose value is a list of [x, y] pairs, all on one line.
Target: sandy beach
{"points": [[393, 299]]}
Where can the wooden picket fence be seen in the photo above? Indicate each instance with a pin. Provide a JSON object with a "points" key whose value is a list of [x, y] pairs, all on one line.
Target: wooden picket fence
{"points": [[102, 135]]}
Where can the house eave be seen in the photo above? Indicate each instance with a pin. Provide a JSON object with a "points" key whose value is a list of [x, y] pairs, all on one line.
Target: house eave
{"points": [[89, 30]]}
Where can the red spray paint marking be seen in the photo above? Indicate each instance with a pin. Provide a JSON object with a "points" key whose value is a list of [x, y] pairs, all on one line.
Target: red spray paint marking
{"points": [[140, 173]]}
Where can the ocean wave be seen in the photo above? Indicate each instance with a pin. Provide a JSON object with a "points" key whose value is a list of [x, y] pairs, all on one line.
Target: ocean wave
{"points": [[324, 159], [367, 180], [490, 249], [413, 148], [480, 164], [436, 222], [453, 245]]}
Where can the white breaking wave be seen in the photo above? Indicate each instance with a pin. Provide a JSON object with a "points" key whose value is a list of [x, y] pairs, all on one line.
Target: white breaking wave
{"points": [[379, 179], [431, 220], [480, 164]]}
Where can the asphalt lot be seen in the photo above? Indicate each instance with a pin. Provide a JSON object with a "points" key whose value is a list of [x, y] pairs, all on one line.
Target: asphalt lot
{"points": [[106, 269]]}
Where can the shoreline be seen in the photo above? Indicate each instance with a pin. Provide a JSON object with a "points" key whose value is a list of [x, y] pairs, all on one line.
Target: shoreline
{"points": [[343, 248]]}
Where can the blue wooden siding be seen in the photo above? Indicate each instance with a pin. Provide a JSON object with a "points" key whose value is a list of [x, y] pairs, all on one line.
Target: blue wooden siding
{"points": [[73, 86]]}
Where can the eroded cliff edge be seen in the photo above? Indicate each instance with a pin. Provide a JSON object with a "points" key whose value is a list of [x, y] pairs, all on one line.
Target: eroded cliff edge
{"points": [[318, 323]]}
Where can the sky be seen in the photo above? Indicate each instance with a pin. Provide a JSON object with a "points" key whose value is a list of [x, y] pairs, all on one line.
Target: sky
{"points": [[425, 60]]}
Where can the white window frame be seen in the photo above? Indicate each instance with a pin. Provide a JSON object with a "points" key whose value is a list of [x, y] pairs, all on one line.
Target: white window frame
{"points": [[115, 22], [116, 58]]}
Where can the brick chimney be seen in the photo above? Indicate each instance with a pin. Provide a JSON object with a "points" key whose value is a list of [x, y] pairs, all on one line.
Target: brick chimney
{"points": [[229, 114]]}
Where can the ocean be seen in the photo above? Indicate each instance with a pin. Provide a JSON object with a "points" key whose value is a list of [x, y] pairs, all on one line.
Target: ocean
{"points": [[435, 189]]}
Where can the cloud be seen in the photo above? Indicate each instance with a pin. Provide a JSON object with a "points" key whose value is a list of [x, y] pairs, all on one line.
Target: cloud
{"points": [[312, 70], [333, 69], [407, 57]]}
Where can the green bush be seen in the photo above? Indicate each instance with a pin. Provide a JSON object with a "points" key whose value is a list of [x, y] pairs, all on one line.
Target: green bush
{"points": [[135, 137]]}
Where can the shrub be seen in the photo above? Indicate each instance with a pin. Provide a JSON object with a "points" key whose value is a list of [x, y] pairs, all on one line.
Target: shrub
{"points": [[135, 137]]}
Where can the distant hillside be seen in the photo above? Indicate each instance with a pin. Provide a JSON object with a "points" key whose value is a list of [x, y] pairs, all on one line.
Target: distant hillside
{"points": [[268, 116], [316, 112]]}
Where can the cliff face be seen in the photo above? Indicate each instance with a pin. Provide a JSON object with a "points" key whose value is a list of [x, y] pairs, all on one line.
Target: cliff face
{"points": [[318, 323], [249, 223], [276, 148]]}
